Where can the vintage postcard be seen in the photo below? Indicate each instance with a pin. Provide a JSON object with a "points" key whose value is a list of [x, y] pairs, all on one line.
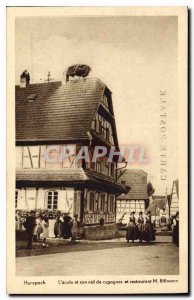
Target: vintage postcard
{"points": [[97, 179]]}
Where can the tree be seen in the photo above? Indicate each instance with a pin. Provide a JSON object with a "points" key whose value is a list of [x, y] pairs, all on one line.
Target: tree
{"points": [[150, 189]]}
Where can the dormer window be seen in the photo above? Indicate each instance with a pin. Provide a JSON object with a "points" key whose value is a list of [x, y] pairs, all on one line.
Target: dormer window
{"points": [[31, 98]]}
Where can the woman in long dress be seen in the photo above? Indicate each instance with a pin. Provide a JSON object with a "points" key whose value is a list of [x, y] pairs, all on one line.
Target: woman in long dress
{"points": [[39, 229], [141, 227], [45, 234], [74, 229], [58, 227], [175, 231], [131, 228], [149, 228]]}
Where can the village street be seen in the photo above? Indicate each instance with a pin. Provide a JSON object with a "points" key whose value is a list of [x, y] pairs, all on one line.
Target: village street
{"points": [[111, 257]]}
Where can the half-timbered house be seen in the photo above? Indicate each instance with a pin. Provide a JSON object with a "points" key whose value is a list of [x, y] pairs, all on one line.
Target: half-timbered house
{"points": [[54, 115], [137, 197]]}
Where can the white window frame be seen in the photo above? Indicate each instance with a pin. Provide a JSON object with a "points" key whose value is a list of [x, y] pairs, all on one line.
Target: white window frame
{"points": [[52, 200]]}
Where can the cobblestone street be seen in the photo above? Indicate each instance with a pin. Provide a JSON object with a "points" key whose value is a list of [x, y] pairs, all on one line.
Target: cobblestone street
{"points": [[112, 257]]}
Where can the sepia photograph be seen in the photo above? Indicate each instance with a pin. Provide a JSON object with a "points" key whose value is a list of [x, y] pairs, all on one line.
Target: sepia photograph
{"points": [[97, 171]]}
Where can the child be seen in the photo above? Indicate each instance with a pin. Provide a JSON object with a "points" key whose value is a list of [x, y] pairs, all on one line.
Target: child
{"points": [[45, 234]]}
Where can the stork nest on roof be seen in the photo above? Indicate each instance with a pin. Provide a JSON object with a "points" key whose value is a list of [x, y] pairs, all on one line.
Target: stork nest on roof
{"points": [[77, 70]]}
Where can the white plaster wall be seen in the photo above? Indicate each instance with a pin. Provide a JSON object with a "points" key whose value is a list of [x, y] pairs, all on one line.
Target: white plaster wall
{"points": [[27, 199], [69, 201], [31, 198], [21, 203], [61, 200], [66, 201], [41, 200]]}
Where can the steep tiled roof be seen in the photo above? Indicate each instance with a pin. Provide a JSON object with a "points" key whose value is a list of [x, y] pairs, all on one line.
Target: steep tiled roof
{"points": [[137, 181], [59, 112], [158, 203], [65, 176]]}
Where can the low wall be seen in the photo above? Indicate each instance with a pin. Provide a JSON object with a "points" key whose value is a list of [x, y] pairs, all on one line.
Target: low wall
{"points": [[100, 232], [93, 232]]}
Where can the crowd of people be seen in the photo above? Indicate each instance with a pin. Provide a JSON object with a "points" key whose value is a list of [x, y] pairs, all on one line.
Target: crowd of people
{"points": [[142, 229], [68, 228], [37, 227]]}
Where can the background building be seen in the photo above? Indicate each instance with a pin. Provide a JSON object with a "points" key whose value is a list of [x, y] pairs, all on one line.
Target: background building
{"points": [[174, 199], [137, 198], [158, 210]]}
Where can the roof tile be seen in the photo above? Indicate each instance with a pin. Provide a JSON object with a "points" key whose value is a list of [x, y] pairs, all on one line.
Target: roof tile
{"points": [[66, 174], [136, 179]]}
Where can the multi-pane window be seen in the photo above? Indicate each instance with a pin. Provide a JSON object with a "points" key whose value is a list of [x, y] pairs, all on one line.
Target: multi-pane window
{"points": [[108, 134], [102, 202], [96, 196], [103, 167], [98, 203], [106, 206], [91, 201], [103, 127], [52, 202], [16, 199], [111, 203]]}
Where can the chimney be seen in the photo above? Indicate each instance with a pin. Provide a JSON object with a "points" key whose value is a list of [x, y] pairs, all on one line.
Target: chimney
{"points": [[64, 81], [24, 79]]}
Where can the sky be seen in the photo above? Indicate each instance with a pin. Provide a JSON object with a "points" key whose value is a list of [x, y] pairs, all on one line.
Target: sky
{"points": [[136, 57]]}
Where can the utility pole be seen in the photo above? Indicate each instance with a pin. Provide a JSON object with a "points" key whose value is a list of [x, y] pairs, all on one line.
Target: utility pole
{"points": [[31, 56], [167, 202]]}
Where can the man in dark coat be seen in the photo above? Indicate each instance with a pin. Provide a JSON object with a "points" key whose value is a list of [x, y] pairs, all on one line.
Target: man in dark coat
{"points": [[66, 232], [175, 231], [58, 227], [30, 224]]}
